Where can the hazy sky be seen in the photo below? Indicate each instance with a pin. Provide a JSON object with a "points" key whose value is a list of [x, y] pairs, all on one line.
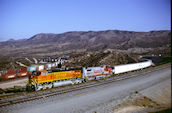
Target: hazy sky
{"points": [[25, 18]]}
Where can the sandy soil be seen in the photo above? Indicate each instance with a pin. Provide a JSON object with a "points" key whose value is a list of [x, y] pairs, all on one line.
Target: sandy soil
{"points": [[155, 98], [11, 84]]}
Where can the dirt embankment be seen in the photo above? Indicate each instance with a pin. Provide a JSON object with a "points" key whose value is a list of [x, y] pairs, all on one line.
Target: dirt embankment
{"points": [[154, 99]]}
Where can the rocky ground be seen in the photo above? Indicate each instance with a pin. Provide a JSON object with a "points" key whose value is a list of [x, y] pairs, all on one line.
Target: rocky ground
{"points": [[90, 59]]}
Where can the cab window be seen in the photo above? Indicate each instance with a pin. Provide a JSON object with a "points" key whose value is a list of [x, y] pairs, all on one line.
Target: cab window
{"points": [[44, 73], [36, 73], [88, 69]]}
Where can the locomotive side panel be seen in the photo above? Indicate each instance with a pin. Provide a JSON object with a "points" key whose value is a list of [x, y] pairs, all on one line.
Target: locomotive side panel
{"points": [[55, 76], [93, 71], [97, 71], [67, 75]]}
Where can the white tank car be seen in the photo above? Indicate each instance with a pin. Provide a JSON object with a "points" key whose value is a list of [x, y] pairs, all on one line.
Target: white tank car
{"points": [[131, 67]]}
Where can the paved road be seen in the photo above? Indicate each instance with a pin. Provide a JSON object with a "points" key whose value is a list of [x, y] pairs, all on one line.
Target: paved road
{"points": [[99, 99]]}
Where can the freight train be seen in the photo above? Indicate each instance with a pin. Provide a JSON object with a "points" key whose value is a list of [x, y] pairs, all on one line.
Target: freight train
{"points": [[14, 73], [42, 79]]}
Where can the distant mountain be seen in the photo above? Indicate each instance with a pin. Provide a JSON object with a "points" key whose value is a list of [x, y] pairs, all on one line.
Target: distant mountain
{"points": [[12, 40], [48, 44]]}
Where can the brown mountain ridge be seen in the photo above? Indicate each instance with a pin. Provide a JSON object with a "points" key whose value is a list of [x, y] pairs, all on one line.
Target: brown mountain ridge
{"points": [[48, 44]]}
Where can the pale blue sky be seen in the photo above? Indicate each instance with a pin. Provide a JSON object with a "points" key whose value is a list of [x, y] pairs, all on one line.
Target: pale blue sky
{"points": [[25, 18]]}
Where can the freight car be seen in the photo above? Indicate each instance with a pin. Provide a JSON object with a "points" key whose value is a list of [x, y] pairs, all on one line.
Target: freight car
{"points": [[22, 72], [8, 76], [14, 73], [131, 67]]}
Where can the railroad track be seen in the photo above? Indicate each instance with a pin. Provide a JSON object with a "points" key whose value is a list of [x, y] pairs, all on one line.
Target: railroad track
{"points": [[79, 87], [6, 95]]}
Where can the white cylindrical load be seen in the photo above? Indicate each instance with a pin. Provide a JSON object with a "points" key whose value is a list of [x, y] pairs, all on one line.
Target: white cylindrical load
{"points": [[62, 83], [131, 67], [41, 67], [146, 64]]}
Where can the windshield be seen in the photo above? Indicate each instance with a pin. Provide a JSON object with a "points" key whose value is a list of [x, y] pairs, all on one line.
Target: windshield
{"points": [[37, 73]]}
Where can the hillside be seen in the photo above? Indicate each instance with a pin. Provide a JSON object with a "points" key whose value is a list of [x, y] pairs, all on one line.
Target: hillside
{"points": [[91, 48], [56, 44]]}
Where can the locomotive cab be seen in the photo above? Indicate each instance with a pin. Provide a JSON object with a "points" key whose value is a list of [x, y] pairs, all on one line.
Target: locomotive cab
{"points": [[32, 83]]}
